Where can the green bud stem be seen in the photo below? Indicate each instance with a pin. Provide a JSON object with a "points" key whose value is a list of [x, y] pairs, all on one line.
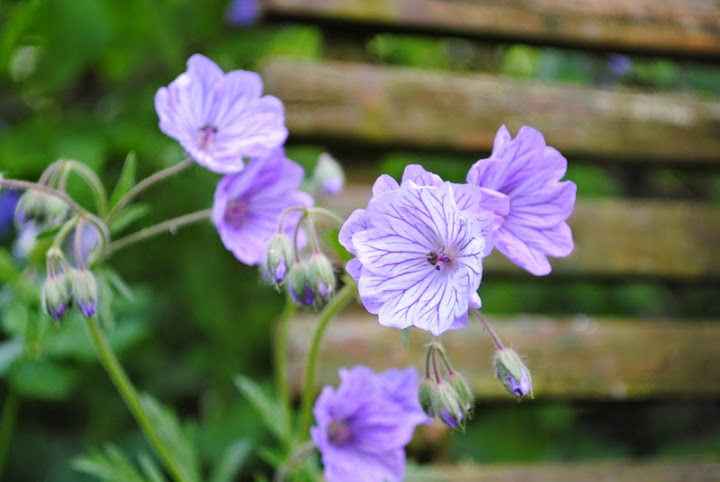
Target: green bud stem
{"points": [[496, 339], [146, 183], [171, 225], [130, 397], [92, 180], [338, 302], [281, 348], [10, 410]]}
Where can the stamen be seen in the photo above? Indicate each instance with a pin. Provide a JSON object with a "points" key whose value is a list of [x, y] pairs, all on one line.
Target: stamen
{"points": [[235, 212], [207, 134], [338, 433]]}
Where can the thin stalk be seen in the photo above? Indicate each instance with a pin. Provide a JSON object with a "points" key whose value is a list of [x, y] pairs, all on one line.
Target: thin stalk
{"points": [[328, 214], [146, 183], [281, 344], [11, 407], [93, 183], [496, 339], [170, 225], [131, 398], [339, 301]]}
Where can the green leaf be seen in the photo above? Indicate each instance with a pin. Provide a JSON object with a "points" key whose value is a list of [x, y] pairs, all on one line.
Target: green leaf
{"points": [[48, 233], [232, 461], [150, 468], [128, 216], [110, 465], [271, 412], [174, 436], [10, 350], [42, 379], [8, 269], [126, 181]]}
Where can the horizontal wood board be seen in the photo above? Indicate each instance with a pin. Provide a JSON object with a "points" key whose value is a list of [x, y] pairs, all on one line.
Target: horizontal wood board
{"points": [[689, 27], [579, 357], [419, 108], [613, 237]]}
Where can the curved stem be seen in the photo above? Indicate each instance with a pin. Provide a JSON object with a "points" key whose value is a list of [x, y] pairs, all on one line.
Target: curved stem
{"points": [[339, 301], [170, 225], [496, 339], [11, 407], [93, 183], [328, 214], [281, 380], [146, 183], [131, 398]]}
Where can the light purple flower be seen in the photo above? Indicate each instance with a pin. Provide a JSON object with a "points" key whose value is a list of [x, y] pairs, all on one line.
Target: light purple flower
{"points": [[220, 119], [364, 425], [529, 172], [8, 201], [419, 255], [247, 205], [243, 12]]}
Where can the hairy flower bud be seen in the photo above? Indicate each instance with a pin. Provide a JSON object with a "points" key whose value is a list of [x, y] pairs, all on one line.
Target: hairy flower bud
{"points": [[299, 285], [328, 174], [449, 408], [85, 291], [427, 395], [279, 258], [321, 276], [462, 390], [512, 372], [56, 297], [45, 209]]}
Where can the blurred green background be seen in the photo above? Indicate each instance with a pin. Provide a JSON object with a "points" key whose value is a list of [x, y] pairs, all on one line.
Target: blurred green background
{"points": [[77, 80]]}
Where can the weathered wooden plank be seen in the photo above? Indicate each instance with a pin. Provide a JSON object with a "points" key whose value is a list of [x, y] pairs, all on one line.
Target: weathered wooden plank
{"points": [[668, 26], [587, 472], [414, 107], [669, 239], [570, 357]]}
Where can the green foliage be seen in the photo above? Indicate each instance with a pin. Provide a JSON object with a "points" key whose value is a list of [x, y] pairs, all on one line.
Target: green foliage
{"points": [[112, 465], [271, 411]]}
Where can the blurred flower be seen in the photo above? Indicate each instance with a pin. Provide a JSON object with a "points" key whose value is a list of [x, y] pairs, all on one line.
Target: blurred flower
{"points": [[364, 425], [85, 291], [25, 241], [419, 256], [243, 12], [529, 172], [8, 201], [220, 119], [619, 64], [248, 205], [328, 175]]}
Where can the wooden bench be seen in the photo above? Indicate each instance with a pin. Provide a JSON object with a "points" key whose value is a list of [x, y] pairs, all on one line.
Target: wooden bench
{"points": [[363, 111]]}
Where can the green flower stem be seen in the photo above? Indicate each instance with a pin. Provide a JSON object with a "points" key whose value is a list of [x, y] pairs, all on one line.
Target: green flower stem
{"points": [[146, 183], [92, 181], [131, 398], [496, 339], [171, 225], [281, 344], [10, 410], [339, 301], [327, 213]]}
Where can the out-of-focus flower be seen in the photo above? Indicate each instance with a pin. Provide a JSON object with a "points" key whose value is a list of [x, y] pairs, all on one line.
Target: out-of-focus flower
{"points": [[529, 172], [8, 201], [328, 175], [85, 291], [243, 12], [364, 425], [620, 64], [419, 255], [248, 204], [220, 119]]}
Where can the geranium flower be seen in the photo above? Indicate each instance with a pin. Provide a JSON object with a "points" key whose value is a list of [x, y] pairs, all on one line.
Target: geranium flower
{"points": [[529, 172], [220, 119], [364, 425], [419, 256], [248, 204]]}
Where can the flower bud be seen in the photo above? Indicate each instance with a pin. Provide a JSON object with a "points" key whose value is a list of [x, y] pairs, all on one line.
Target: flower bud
{"points": [[427, 396], [512, 372], [448, 406], [462, 390], [56, 297], [85, 291], [279, 258], [321, 275], [328, 174], [299, 285], [45, 209]]}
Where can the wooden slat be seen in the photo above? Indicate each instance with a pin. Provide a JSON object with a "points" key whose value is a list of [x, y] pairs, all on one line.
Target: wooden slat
{"points": [[691, 26], [668, 239], [588, 472], [571, 357], [414, 107]]}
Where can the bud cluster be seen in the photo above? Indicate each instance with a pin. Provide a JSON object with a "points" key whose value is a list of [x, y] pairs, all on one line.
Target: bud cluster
{"points": [[444, 393], [65, 284], [310, 279], [46, 210]]}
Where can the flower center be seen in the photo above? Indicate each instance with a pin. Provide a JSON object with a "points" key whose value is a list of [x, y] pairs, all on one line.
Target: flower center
{"points": [[207, 135], [338, 433], [235, 212], [439, 258]]}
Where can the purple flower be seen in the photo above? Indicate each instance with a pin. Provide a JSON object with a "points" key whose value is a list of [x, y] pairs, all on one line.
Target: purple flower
{"points": [[419, 252], [243, 12], [8, 200], [220, 119], [529, 172], [364, 425], [247, 205], [621, 65]]}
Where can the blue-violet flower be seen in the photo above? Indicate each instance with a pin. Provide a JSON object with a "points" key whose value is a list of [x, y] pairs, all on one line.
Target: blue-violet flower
{"points": [[364, 425]]}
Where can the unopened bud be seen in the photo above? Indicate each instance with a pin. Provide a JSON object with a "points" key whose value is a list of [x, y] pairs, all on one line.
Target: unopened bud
{"points": [[462, 390], [448, 407], [56, 296], [321, 276], [85, 291], [328, 174], [299, 285], [512, 372], [427, 395], [279, 258], [45, 209]]}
